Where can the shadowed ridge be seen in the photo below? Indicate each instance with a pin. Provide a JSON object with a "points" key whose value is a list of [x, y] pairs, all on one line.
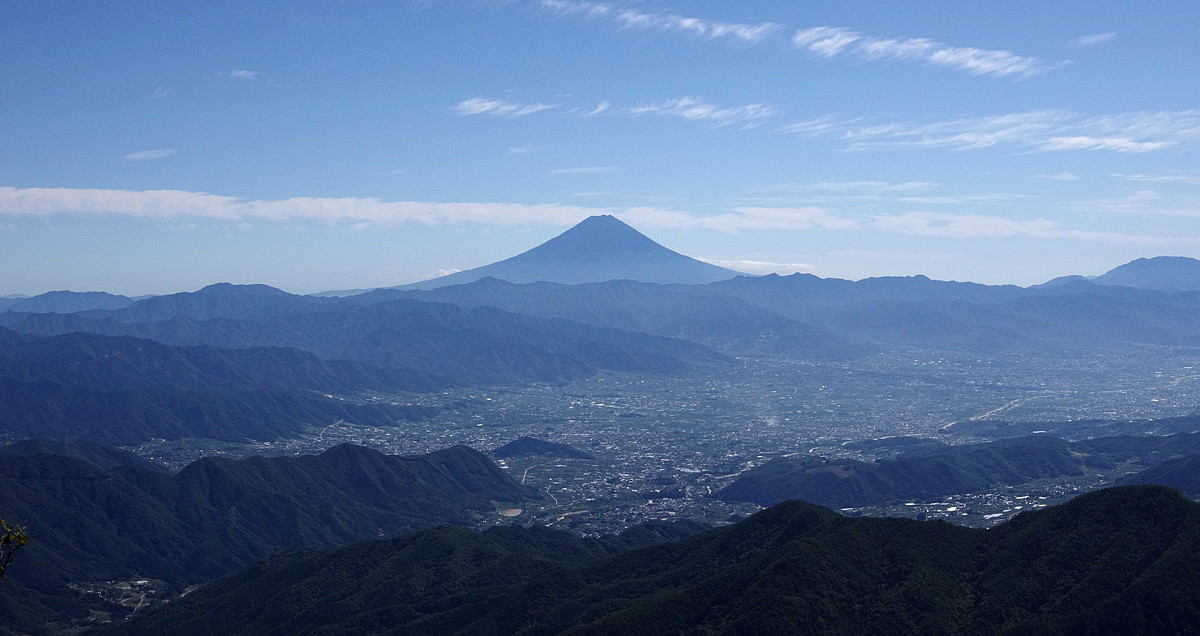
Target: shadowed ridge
{"points": [[98, 455]]}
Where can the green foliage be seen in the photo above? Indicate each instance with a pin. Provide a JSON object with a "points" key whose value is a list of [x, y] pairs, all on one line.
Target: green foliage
{"points": [[13, 539]]}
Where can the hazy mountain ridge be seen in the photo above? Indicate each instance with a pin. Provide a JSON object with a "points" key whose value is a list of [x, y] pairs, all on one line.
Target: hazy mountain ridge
{"points": [[463, 345], [695, 313], [794, 568], [812, 318], [1162, 273], [65, 302], [121, 362], [132, 416]]}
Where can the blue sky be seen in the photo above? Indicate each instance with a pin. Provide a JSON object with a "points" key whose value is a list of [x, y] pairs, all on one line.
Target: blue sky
{"points": [[152, 147]]}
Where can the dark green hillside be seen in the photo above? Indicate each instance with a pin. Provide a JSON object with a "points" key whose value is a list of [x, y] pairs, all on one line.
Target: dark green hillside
{"points": [[98, 455], [1181, 473], [917, 475], [218, 515], [1118, 561], [924, 470]]}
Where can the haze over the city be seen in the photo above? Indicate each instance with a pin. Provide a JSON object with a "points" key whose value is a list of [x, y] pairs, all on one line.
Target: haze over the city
{"points": [[154, 147]]}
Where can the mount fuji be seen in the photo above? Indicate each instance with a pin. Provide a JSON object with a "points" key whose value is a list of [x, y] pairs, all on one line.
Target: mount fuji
{"points": [[597, 249]]}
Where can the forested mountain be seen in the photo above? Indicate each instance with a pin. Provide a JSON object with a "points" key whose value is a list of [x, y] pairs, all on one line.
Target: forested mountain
{"points": [[930, 472], [529, 446], [1181, 473], [217, 515], [99, 455], [1123, 560]]}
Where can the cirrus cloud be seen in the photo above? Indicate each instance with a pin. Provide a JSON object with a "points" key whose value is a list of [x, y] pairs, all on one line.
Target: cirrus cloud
{"points": [[830, 42], [1047, 130], [498, 107], [149, 155]]}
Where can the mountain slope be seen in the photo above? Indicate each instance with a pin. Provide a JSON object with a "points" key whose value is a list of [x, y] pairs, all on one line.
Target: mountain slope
{"points": [[122, 362], [217, 515], [1123, 560], [936, 471], [98, 455], [599, 248], [1162, 273], [132, 416], [484, 344]]}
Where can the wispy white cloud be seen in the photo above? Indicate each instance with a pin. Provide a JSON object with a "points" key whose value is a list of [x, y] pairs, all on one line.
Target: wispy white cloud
{"points": [[521, 150], [360, 213], [690, 108], [1051, 130], [742, 219], [148, 155], [973, 226], [1058, 176], [498, 107], [1190, 179], [853, 186], [1085, 142], [586, 170], [830, 42], [659, 21], [1092, 40], [243, 74], [696, 109], [819, 126], [160, 92], [760, 267], [179, 204], [600, 108], [1148, 203]]}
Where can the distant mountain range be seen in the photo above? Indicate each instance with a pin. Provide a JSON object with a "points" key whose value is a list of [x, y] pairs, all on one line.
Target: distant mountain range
{"points": [[254, 362], [1116, 561], [216, 515], [396, 334]]}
